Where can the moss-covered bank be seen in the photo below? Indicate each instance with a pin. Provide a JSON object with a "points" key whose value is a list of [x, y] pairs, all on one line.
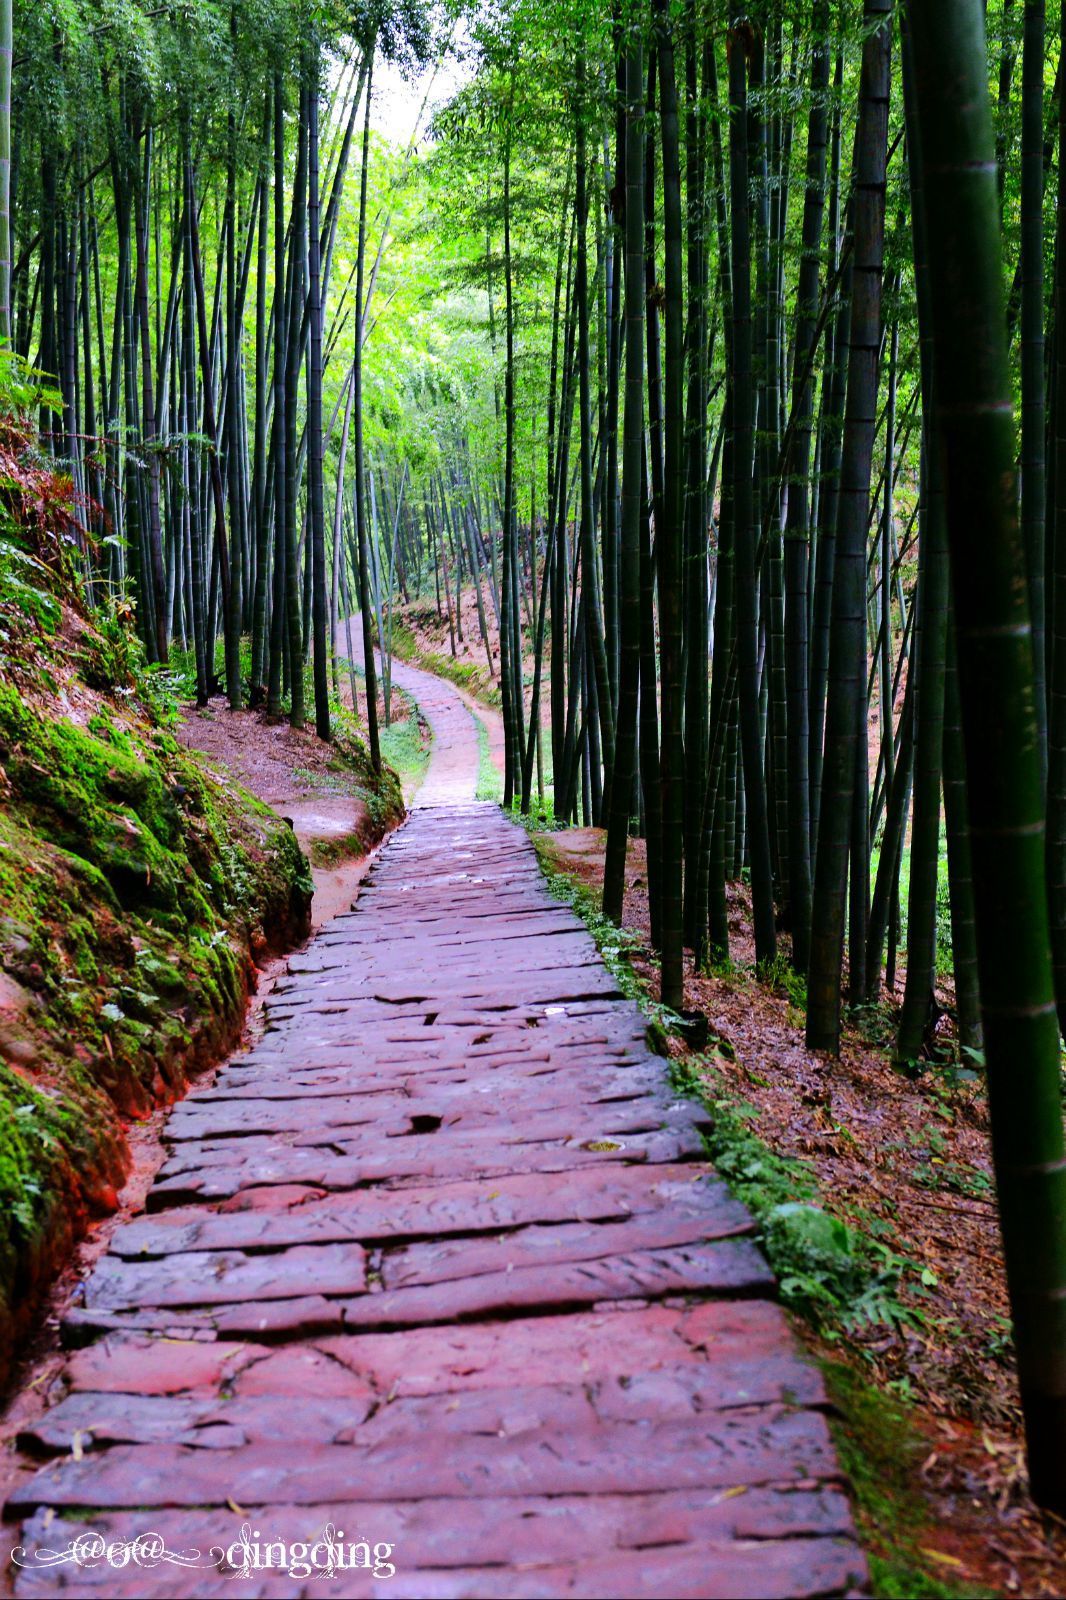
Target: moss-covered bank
{"points": [[134, 892]]}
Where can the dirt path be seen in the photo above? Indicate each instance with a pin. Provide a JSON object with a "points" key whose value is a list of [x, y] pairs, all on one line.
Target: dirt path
{"points": [[437, 1264], [452, 775], [491, 720], [453, 718]]}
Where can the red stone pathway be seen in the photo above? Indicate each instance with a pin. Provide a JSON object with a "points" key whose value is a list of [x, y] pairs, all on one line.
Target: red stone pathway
{"points": [[438, 1263]]}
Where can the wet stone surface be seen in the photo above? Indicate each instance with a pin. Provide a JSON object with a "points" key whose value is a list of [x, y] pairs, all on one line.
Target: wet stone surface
{"points": [[438, 1263]]}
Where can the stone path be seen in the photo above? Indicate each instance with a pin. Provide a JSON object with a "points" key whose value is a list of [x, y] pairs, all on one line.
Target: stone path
{"points": [[438, 1265]]}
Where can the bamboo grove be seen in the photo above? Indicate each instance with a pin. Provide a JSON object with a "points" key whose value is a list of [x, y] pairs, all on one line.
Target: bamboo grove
{"points": [[738, 306]]}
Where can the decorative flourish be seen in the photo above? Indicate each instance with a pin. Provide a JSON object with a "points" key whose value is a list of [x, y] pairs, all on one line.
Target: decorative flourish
{"points": [[92, 1549]]}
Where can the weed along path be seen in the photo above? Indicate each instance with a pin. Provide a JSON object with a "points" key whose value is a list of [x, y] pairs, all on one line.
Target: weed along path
{"points": [[435, 1277]]}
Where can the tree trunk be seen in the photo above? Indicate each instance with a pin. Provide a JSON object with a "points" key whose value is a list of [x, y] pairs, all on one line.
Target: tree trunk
{"points": [[319, 601], [798, 527], [743, 508], [975, 434], [845, 721], [360, 463], [669, 533], [5, 171], [633, 449]]}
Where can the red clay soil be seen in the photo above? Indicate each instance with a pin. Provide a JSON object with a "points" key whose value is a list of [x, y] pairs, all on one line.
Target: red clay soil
{"points": [[909, 1161], [431, 629]]}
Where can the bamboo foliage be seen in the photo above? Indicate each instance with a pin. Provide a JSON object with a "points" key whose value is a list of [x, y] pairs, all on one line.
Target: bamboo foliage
{"points": [[639, 376]]}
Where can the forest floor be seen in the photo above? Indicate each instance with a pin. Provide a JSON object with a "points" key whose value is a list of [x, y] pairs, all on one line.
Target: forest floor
{"points": [[904, 1164]]}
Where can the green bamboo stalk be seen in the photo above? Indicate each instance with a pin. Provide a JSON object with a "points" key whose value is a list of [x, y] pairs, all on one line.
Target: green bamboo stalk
{"points": [[671, 531], [960, 862], [798, 522], [281, 324], [369, 668], [929, 657], [316, 508], [1031, 274], [1056, 571], [975, 433], [744, 511], [293, 363], [6, 33], [633, 447], [696, 615], [845, 741]]}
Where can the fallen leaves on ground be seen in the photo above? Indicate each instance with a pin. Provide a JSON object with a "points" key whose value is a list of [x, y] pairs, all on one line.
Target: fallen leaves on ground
{"points": [[905, 1161]]}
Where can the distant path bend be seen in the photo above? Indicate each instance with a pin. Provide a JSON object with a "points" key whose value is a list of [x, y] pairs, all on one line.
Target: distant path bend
{"points": [[438, 1263], [451, 778], [452, 775]]}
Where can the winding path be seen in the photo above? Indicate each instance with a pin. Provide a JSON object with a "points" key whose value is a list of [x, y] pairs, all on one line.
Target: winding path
{"points": [[438, 1264]]}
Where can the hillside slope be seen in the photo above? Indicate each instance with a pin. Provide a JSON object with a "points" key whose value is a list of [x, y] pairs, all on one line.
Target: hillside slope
{"points": [[137, 892]]}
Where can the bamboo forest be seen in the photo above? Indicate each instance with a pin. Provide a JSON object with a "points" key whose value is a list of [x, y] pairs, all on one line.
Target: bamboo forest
{"points": [[533, 797]]}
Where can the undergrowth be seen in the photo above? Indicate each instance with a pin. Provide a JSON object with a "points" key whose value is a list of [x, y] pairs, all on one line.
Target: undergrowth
{"points": [[406, 743], [540, 818], [837, 1276], [489, 781], [881, 1454]]}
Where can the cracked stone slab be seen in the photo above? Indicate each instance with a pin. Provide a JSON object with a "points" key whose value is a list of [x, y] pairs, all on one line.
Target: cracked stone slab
{"points": [[441, 1259]]}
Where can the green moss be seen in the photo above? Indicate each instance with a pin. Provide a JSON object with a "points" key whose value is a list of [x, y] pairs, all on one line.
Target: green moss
{"points": [[881, 1452], [341, 847], [30, 1135], [132, 889]]}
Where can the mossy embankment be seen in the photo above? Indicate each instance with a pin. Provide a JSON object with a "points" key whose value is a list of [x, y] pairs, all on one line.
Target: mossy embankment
{"points": [[138, 890], [134, 893]]}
